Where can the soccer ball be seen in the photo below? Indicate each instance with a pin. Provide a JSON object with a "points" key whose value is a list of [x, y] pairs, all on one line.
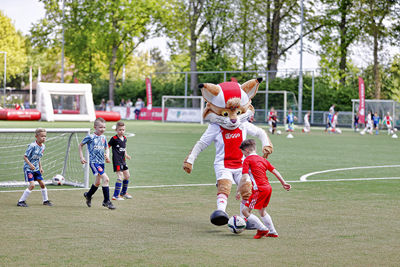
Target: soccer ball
{"points": [[236, 224], [394, 136], [58, 179], [362, 132], [278, 132]]}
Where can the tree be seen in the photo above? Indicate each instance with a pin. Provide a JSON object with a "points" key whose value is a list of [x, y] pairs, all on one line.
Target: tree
{"points": [[376, 15], [102, 34], [341, 29], [13, 43], [279, 20]]}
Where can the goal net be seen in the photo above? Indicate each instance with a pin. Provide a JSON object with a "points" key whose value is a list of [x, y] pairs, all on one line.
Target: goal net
{"points": [[60, 157], [281, 101], [65, 102], [379, 106], [182, 108]]}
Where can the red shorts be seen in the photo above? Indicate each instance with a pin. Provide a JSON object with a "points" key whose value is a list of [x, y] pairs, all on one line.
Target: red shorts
{"points": [[259, 199]]}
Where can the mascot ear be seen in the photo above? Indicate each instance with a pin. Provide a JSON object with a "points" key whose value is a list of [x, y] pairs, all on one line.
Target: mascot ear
{"points": [[251, 87], [209, 91]]}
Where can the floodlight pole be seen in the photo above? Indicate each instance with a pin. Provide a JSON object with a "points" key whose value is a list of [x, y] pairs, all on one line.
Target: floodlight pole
{"points": [[5, 76], [299, 115]]}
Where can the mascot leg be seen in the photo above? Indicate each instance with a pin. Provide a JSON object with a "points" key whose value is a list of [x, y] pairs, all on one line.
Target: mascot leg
{"points": [[220, 217]]}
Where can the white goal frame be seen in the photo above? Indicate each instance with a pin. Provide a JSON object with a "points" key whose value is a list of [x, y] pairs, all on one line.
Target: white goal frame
{"points": [[53, 130], [390, 104], [285, 94], [45, 105], [166, 97]]}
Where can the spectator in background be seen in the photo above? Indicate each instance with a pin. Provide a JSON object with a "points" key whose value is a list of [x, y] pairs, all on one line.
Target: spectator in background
{"points": [[109, 105], [122, 103], [129, 103], [102, 106], [128, 108], [138, 107], [26, 104]]}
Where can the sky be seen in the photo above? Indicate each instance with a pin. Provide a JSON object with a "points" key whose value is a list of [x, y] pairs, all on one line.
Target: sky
{"points": [[25, 12]]}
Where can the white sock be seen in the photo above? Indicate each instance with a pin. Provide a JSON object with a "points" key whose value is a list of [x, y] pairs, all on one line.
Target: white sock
{"points": [[253, 219], [268, 222], [241, 209], [25, 195], [44, 194], [222, 202]]}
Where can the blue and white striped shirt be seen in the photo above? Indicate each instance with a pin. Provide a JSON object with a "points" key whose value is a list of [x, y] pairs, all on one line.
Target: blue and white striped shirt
{"points": [[34, 153], [96, 146]]}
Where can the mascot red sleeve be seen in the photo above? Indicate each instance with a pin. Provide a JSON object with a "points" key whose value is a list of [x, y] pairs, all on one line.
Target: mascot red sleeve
{"points": [[228, 110]]}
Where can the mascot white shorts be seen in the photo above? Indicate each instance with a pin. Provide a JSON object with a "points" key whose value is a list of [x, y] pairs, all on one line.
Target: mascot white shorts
{"points": [[234, 175]]}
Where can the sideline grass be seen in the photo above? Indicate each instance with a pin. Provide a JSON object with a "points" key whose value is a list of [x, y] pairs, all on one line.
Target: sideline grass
{"points": [[351, 223]]}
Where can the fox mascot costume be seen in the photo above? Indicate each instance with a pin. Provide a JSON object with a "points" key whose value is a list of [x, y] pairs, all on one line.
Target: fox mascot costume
{"points": [[228, 109]]}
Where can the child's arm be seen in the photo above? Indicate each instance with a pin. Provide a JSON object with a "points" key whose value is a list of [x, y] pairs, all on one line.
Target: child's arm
{"points": [[29, 163], [83, 161], [126, 154], [280, 178], [40, 167], [107, 155]]}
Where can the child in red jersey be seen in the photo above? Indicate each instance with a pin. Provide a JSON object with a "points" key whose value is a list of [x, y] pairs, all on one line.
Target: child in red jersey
{"points": [[254, 169]]}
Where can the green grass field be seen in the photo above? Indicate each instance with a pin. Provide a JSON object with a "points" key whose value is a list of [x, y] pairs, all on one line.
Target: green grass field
{"points": [[321, 223]]}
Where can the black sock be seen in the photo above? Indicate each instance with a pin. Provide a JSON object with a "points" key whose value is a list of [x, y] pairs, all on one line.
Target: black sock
{"points": [[106, 193], [92, 190]]}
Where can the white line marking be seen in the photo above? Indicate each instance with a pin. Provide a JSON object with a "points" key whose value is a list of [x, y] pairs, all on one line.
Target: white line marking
{"points": [[304, 177]]}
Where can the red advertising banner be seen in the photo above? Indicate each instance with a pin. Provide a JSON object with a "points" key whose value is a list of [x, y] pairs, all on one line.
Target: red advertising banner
{"points": [[149, 94], [154, 114], [361, 107]]}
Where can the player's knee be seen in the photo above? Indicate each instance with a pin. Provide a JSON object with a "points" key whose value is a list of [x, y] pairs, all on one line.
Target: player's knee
{"points": [[224, 186]]}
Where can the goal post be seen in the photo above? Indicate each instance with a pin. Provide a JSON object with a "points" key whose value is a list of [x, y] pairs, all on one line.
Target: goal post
{"points": [[65, 102], [179, 109], [379, 106], [61, 156], [282, 101]]}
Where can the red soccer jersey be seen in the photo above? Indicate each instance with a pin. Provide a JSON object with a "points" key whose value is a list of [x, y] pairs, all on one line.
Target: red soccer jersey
{"points": [[256, 166]]}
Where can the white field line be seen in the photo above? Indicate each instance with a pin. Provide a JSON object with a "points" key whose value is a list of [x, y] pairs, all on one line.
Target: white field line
{"points": [[304, 177], [194, 185]]}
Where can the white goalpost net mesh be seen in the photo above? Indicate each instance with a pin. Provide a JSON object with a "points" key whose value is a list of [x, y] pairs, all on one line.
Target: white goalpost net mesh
{"points": [[61, 156]]}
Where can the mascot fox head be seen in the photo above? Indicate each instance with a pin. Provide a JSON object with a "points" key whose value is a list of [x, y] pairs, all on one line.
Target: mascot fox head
{"points": [[229, 103]]}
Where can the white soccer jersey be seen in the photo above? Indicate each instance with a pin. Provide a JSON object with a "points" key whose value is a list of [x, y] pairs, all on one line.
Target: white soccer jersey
{"points": [[227, 143], [388, 120]]}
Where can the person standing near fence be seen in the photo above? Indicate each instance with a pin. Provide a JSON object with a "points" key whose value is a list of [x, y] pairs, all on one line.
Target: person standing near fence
{"points": [[138, 107]]}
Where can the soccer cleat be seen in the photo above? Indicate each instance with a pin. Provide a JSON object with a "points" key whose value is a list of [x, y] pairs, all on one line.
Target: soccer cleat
{"points": [[47, 203], [272, 235], [88, 199], [109, 205], [117, 198], [126, 196], [22, 204], [219, 217], [260, 234]]}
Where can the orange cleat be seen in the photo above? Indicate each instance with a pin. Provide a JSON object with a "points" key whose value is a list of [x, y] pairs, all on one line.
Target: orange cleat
{"points": [[260, 234]]}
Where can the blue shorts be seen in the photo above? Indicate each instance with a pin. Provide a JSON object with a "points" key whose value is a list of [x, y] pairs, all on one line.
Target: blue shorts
{"points": [[97, 169], [32, 176]]}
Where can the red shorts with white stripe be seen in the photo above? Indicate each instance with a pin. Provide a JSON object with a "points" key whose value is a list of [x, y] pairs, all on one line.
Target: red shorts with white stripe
{"points": [[259, 199]]}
